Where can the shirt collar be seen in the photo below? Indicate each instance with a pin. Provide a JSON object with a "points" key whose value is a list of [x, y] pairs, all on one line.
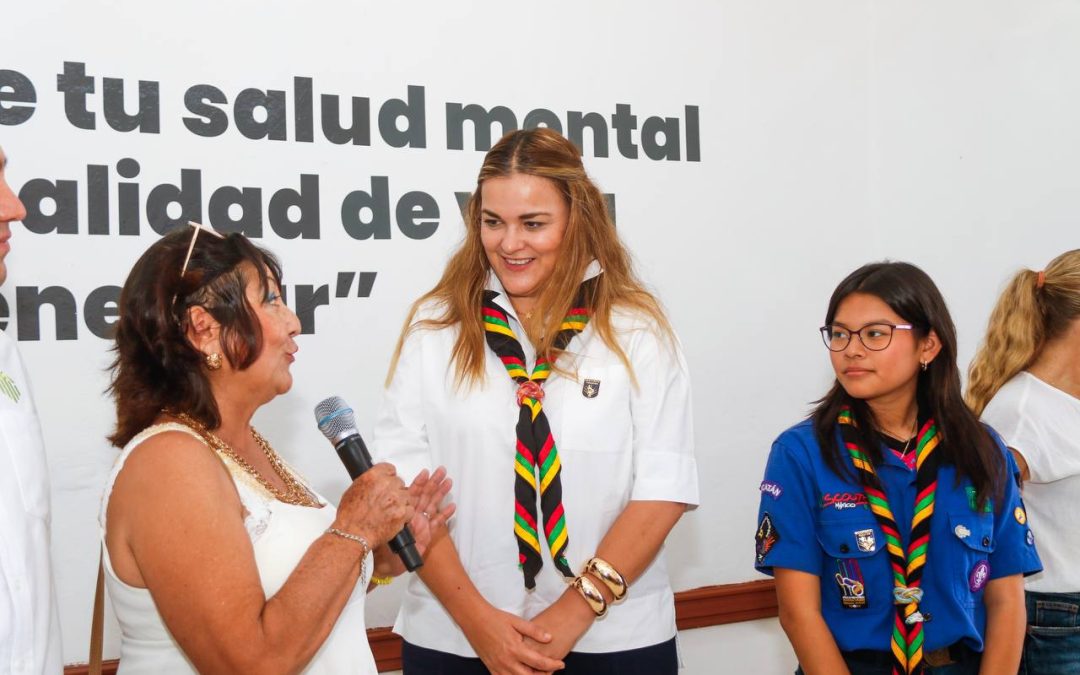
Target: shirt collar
{"points": [[593, 270]]}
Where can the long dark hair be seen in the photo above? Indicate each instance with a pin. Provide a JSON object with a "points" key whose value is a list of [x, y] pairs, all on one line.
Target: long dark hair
{"points": [[156, 367], [965, 442]]}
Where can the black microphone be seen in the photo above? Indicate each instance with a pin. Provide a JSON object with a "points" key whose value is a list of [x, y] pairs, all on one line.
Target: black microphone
{"points": [[336, 422]]}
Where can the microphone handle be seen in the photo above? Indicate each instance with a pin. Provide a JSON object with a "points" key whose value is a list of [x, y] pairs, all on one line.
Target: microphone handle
{"points": [[356, 458]]}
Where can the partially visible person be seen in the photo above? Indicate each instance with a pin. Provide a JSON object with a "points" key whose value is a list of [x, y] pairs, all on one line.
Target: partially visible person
{"points": [[891, 519], [1025, 382], [218, 556], [29, 622]]}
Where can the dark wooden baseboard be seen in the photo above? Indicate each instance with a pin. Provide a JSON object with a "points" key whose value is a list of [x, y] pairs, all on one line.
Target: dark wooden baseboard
{"points": [[698, 608], [726, 603]]}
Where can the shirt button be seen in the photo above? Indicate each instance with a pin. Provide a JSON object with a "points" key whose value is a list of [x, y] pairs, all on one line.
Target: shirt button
{"points": [[986, 541], [844, 548]]}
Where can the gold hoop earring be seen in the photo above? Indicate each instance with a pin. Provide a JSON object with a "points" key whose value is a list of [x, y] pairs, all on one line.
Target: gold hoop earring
{"points": [[213, 361]]}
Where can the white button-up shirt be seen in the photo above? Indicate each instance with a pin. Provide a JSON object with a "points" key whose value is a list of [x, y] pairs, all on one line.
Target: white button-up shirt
{"points": [[617, 442], [29, 623]]}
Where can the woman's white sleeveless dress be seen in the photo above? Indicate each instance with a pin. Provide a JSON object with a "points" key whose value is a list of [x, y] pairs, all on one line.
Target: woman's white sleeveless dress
{"points": [[280, 534]]}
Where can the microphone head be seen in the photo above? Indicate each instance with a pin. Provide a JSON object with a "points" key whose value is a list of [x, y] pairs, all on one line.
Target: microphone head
{"points": [[335, 418]]}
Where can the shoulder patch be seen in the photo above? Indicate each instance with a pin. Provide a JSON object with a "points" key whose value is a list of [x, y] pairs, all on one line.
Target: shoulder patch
{"points": [[767, 537]]}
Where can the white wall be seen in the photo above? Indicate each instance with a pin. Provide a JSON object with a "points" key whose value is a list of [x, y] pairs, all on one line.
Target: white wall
{"points": [[832, 133]]}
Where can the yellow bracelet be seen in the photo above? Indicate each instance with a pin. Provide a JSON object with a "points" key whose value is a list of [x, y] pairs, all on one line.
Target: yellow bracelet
{"points": [[381, 581], [592, 595], [605, 572]]}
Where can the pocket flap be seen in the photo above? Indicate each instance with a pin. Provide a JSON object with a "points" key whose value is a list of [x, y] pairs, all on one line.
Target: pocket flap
{"points": [[851, 537], [975, 530]]}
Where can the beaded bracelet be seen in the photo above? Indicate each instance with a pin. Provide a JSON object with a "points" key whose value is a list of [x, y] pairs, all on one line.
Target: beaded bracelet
{"points": [[605, 572]]}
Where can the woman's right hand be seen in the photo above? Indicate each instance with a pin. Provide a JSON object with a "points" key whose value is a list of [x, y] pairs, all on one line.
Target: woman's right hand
{"points": [[376, 506], [499, 640]]}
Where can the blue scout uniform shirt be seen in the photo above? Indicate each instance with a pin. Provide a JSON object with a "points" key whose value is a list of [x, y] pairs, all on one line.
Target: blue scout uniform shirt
{"points": [[812, 520]]}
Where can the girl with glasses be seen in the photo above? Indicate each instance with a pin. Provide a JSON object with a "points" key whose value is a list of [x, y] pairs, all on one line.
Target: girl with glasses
{"points": [[891, 518], [1025, 381]]}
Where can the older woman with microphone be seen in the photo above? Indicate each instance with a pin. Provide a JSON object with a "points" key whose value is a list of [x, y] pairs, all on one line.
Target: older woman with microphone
{"points": [[218, 556]]}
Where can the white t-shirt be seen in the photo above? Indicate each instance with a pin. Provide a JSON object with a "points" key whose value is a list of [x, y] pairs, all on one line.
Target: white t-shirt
{"points": [[29, 622], [1042, 423], [623, 443]]}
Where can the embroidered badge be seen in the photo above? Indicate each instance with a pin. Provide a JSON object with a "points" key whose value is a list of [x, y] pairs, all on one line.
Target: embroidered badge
{"points": [[849, 580], [769, 487], [980, 574], [962, 532], [865, 540], [8, 388], [1030, 538], [844, 500], [766, 537], [973, 501], [590, 389], [1019, 514]]}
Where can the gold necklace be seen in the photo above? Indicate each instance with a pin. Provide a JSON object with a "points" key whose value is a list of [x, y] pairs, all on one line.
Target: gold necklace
{"points": [[914, 433], [295, 492]]}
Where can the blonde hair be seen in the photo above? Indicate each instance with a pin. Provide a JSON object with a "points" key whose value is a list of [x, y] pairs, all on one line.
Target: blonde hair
{"points": [[1034, 308], [590, 234]]}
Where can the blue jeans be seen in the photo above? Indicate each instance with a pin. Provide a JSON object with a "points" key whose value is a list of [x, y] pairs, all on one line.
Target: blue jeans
{"points": [[1052, 645], [866, 662]]}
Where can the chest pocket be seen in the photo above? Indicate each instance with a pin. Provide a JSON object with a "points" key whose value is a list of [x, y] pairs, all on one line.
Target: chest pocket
{"points": [[20, 430], [971, 543], [594, 411], [854, 566]]}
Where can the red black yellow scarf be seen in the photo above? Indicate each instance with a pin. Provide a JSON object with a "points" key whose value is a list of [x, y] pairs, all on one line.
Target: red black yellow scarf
{"points": [[907, 568], [536, 463]]}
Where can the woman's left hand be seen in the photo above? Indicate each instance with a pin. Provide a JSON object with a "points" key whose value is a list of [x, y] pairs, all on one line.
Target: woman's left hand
{"points": [[566, 619], [428, 523]]}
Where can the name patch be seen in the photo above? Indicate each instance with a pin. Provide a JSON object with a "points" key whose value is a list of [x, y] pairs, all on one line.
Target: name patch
{"points": [[771, 488]]}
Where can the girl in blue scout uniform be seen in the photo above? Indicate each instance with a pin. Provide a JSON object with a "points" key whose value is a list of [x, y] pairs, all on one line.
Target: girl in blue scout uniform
{"points": [[891, 518]]}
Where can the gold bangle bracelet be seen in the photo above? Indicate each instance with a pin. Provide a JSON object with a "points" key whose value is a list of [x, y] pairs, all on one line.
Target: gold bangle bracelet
{"points": [[605, 572], [592, 595], [381, 581]]}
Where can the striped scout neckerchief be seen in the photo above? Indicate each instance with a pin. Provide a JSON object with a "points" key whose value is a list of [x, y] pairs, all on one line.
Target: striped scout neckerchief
{"points": [[907, 568], [536, 464]]}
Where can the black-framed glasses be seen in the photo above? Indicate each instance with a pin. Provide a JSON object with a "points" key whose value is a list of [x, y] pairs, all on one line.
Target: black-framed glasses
{"points": [[874, 336]]}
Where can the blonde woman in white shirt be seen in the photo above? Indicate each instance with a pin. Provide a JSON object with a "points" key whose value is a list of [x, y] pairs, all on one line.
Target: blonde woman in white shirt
{"points": [[1025, 382], [548, 381]]}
